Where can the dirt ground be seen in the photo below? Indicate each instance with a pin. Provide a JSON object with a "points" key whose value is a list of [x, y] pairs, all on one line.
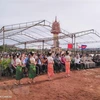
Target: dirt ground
{"points": [[81, 85]]}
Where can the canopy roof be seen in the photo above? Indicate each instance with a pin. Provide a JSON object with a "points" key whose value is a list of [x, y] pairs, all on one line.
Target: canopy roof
{"points": [[34, 33]]}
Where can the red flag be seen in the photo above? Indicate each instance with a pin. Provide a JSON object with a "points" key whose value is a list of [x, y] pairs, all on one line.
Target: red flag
{"points": [[70, 46]]}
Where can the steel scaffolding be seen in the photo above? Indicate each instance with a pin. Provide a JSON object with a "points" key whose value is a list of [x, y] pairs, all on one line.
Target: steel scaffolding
{"points": [[40, 31]]}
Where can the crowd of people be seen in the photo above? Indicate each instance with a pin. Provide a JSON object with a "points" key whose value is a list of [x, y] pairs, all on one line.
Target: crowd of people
{"points": [[33, 64]]}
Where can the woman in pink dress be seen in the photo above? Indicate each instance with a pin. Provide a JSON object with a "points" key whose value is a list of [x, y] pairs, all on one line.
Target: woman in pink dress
{"points": [[50, 66], [67, 64]]}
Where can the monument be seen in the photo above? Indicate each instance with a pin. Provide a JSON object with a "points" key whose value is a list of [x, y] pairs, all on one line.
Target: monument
{"points": [[55, 31]]}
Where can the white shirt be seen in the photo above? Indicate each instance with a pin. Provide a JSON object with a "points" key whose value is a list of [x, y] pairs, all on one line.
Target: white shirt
{"points": [[67, 58], [50, 59], [12, 61], [77, 60], [32, 60], [18, 61], [83, 59], [89, 58]]}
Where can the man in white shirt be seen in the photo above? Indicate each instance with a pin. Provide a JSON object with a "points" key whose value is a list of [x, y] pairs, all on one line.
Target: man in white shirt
{"points": [[77, 62]]}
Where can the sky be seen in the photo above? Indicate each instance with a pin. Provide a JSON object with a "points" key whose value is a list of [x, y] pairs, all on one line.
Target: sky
{"points": [[73, 15]]}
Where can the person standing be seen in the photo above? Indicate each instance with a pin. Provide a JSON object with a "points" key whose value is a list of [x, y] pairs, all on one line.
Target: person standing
{"points": [[67, 63], [44, 64], [39, 64], [57, 63], [23, 64], [50, 66], [32, 68], [19, 73], [63, 61], [13, 65]]}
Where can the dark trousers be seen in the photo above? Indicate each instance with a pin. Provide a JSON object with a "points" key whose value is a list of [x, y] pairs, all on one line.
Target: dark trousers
{"points": [[44, 68], [13, 70], [37, 70], [63, 67], [82, 65], [78, 66], [25, 71], [40, 68], [57, 67]]}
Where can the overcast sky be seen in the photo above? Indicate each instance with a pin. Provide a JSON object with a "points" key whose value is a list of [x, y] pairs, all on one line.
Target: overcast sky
{"points": [[73, 15]]}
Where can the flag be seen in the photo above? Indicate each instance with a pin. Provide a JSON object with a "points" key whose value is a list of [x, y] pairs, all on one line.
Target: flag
{"points": [[70, 46], [83, 46], [78, 46]]}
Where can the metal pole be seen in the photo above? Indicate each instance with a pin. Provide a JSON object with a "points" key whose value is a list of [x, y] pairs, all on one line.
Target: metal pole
{"points": [[42, 45], [3, 40], [72, 41], [74, 44], [25, 46]]}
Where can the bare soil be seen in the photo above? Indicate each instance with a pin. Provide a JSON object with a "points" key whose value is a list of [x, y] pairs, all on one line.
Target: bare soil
{"points": [[81, 85]]}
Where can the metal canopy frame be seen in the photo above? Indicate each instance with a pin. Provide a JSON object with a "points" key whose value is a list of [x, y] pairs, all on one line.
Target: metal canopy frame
{"points": [[26, 32]]}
